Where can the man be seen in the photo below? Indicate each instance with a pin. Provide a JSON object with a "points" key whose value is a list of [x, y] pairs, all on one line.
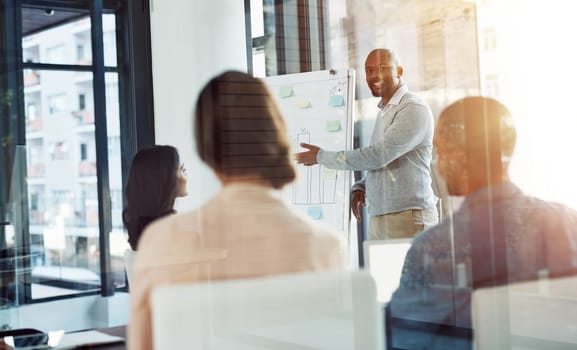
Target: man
{"points": [[399, 190], [498, 236]]}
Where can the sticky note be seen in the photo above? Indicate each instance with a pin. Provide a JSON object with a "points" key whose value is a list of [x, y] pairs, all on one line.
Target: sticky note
{"points": [[333, 126], [315, 213], [302, 103], [337, 101], [285, 91], [328, 174]]}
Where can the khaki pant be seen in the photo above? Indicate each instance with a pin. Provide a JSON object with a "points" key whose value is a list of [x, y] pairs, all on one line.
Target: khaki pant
{"points": [[404, 224]]}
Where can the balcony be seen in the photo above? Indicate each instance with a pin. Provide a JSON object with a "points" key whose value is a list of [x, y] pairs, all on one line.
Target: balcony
{"points": [[85, 117], [35, 170], [37, 217], [31, 78], [33, 125], [87, 168]]}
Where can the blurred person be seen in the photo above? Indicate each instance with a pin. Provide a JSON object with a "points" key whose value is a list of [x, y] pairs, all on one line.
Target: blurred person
{"points": [[245, 230], [499, 235], [155, 180], [399, 190]]}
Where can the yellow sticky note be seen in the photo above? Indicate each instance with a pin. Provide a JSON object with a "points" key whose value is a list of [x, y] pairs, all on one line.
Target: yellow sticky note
{"points": [[302, 103], [333, 126], [328, 174], [285, 91], [337, 101], [315, 213]]}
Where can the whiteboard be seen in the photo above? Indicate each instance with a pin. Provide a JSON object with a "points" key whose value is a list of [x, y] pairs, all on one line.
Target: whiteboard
{"points": [[318, 109]]}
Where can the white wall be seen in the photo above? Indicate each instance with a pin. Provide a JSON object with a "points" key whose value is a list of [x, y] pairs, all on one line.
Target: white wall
{"points": [[191, 42]]}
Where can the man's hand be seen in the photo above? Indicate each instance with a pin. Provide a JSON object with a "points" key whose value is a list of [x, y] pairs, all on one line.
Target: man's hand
{"points": [[308, 157], [357, 201]]}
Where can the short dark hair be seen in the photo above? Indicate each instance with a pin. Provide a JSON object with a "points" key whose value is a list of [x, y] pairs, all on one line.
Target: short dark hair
{"points": [[151, 189], [240, 130]]}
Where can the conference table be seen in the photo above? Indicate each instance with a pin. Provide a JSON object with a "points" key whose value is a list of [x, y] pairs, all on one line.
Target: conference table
{"points": [[119, 331]]}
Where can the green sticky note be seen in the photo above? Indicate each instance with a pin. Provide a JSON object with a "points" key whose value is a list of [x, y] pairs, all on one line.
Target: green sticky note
{"points": [[333, 126], [337, 101], [315, 213], [285, 91]]}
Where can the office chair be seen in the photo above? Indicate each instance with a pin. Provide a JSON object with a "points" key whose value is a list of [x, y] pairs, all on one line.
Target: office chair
{"points": [[540, 314], [322, 310]]}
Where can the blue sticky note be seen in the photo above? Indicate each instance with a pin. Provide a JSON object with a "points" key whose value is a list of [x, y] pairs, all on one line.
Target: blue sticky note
{"points": [[333, 126], [315, 213], [285, 91], [337, 101]]}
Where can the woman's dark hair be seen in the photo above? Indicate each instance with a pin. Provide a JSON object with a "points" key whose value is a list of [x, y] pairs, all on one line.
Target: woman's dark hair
{"points": [[240, 130], [150, 190]]}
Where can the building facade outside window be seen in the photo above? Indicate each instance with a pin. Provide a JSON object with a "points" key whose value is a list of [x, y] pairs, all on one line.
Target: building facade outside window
{"points": [[59, 65]]}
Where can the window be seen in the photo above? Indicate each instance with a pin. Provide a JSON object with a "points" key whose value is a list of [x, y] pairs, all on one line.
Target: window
{"points": [[83, 151], [31, 115], [60, 150], [65, 159], [81, 102], [80, 52], [57, 103], [56, 54], [31, 53]]}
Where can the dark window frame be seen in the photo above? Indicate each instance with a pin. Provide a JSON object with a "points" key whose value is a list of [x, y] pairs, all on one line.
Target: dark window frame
{"points": [[134, 69]]}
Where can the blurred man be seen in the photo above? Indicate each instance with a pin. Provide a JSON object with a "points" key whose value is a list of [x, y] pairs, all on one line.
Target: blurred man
{"points": [[498, 236]]}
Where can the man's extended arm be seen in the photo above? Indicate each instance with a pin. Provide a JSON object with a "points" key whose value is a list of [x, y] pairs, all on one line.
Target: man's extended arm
{"points": [[412, 125]]}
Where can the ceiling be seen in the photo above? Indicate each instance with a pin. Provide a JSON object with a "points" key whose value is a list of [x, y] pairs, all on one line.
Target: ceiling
{"points": [[37, 19]]}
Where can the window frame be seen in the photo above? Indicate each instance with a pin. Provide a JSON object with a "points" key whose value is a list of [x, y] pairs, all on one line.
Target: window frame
{"points": [[134, 70]]}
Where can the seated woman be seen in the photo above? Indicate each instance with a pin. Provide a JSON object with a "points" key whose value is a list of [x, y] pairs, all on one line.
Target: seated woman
{"points": [[156, 178], [245, 230]]}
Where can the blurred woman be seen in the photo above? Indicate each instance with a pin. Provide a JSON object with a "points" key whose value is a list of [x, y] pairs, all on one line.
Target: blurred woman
{"points": [[245, 230], [156, 178]]}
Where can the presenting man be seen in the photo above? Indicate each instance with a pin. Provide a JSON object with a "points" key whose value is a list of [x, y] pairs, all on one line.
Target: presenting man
{"points": [[399, 190]]}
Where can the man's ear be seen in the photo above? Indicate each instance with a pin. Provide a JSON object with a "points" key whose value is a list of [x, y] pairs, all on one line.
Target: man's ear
{"points": [[399, 71]]}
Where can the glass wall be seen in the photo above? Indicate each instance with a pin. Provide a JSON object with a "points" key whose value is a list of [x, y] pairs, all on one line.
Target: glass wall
{"points": [[66, 124], [515, 51], [68, 131]]}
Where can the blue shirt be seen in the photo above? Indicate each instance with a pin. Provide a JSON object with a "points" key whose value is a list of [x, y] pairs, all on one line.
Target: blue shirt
{"points": [[437, 281], [398, 160]]}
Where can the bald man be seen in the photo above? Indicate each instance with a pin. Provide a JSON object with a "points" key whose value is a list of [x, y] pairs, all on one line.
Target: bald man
{"points": [[498, 236], [398, 187]]}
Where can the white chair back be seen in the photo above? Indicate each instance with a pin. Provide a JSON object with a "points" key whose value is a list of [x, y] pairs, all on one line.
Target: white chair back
{"points": [[384, 260], [128, 263], [328, 310], [540, 314]]}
